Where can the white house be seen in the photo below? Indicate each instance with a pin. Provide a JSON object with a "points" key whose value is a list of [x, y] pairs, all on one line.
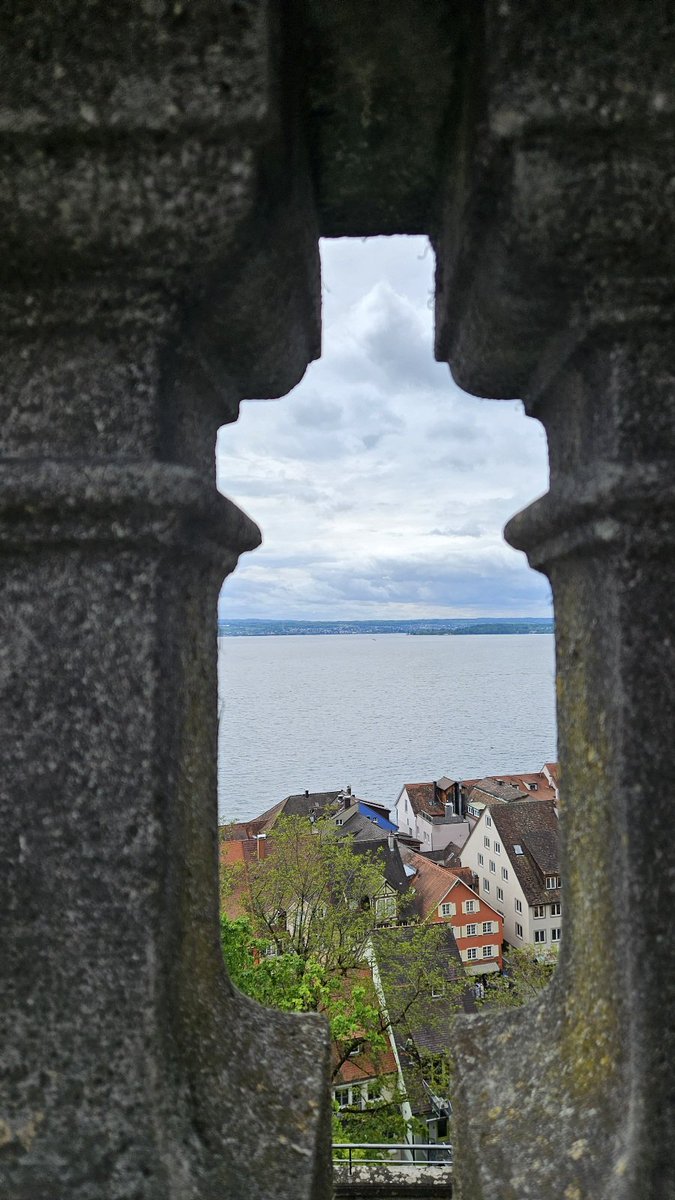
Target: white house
{"points": [[514, 849], [430, 812]]}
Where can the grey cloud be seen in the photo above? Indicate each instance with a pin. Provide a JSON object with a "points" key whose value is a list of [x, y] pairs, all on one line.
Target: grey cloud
{"points": [[378, 448], [318, 414], [371, 440], [472, 530], [452, 431]]}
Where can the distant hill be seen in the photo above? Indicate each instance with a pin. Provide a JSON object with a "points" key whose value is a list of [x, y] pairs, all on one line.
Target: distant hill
{"points": [[425, 628]]}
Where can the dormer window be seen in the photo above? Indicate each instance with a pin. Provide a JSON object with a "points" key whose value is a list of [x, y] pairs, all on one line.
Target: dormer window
{"points": [[385, 908], [552, 882]]}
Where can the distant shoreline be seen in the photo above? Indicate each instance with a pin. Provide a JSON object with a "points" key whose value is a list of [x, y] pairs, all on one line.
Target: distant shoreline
{"points": [[435, 627]]}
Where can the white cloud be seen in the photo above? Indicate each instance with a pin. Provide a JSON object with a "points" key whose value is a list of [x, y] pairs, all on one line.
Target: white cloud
{"points": [[380, 487]]}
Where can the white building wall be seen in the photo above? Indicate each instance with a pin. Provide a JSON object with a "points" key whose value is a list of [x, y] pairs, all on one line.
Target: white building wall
{"points": [[436, 836], [476, 849]]}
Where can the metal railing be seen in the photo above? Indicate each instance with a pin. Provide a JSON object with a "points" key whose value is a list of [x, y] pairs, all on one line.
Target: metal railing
{"points": [[399, 1154]]}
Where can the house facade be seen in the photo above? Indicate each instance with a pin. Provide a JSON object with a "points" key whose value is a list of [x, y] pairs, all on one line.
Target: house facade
{"points": [[448, 897], [514, 850], [431, 813]]}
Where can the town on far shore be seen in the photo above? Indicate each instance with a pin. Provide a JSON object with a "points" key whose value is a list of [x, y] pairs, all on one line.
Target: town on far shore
{"points": [[449, 901]]}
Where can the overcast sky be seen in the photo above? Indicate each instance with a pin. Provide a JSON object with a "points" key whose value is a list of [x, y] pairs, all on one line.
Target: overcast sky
{"points": [[380, 487]]}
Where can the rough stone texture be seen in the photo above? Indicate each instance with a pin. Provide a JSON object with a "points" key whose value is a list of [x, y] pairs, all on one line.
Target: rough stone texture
{"points": [[387, 1181], [556, 284], [159, 166], [381, 87], [159, 263]]}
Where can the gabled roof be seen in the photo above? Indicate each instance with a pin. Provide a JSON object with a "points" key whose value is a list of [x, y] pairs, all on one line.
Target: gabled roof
{"points": [[423, 799], [430, 882], [377, 815], [532, 825], [391, 860], [507, 788], [497, 789], [544, 846], [307, 802], [448, 856], [355, 822]]}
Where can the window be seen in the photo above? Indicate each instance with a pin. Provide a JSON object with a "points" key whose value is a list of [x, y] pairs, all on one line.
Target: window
{"points": [[488, 820], [385, 908], [437, 990], [356, 1049], [498, 847], [539, 936], [517, 848], [519, 930], [472, 952], [486, 885], [555, 934], [487, 926], [447, 909], [486, 842], [556, 908], [338, 820], [469, 906], [552, 882], [505, 873], [481, 860], [492, 867], [500, 894], [471, 931], [488, 952], [539, 911], [355, 1096], [519, 905]]}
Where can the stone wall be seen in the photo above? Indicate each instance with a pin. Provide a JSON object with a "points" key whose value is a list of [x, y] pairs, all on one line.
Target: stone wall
{"points": [[167, 168]]}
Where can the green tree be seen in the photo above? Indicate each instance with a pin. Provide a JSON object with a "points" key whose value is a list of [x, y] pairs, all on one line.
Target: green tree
{"points": [[312, 894], [309, 934], [382, 1121], [526, 974]]}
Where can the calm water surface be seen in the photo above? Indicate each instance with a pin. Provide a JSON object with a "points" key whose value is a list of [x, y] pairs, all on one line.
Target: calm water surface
{"points": [[376, 712]]}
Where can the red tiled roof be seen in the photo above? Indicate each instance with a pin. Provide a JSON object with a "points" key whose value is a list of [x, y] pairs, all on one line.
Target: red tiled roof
{"points": [[362, 1066], [423, 798], [524, 786], [431, 881]]}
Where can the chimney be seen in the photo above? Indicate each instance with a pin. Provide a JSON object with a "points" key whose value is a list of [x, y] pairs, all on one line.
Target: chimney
{"points": [[307, 791], [349, 790], [391, 842]]}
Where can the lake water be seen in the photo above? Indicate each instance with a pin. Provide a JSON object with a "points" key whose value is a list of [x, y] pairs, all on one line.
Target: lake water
{"points": [[375, 712]]}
